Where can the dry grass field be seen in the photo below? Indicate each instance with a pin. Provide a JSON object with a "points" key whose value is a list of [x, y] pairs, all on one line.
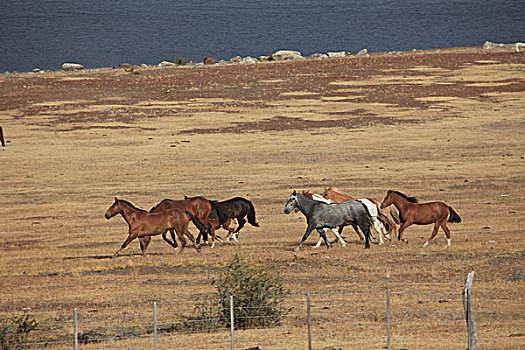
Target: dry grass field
{"points": [[445, 125]]}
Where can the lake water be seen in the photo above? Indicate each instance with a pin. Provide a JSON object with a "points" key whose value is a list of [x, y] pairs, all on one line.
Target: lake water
{"points": [[101, 33]]}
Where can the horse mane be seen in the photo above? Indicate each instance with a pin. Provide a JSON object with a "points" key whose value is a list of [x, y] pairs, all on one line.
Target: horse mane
{"points": [[410, 199], [131, 205]]}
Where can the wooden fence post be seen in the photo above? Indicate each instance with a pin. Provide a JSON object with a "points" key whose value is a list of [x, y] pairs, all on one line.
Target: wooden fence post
{"points": [[155, 343], [309, 321], [76, 329], [388, 318], [467, 306], [231, 322]]}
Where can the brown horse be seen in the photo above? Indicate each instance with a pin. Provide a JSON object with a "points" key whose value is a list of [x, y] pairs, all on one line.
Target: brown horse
{"points": [[412, 212], [199, 207], [2, 137], [382, 223], [235, 208], [144, 224]]}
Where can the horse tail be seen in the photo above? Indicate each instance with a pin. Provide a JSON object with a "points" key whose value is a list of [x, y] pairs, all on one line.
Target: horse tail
{"points": [[196, 222], [223, 217], [251, 215], [368, 217], [394, 213], [454, 217], [386, 221]]}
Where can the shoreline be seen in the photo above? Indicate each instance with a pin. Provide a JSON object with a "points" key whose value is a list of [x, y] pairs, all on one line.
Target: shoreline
{"points": [[487, 47]]}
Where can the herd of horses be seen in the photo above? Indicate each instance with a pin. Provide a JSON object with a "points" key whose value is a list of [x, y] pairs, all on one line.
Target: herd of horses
{"points": [[331, 210], [174, 216]]}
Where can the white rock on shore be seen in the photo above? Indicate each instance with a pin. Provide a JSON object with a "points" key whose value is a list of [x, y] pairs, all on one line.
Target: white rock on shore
{"points": [[283, 55], [72, 66]]}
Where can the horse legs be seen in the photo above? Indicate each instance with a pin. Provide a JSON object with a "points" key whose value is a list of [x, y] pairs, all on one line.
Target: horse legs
{"points": [[366, 231], [337, 233], [174, 243], [434, 233], [241, 221], [128, 240], [192, 239], [212, 233], [378, 226], [320, 241], [402, 228], [204, 234], [172, 233], [309, 230], [323, 235], [182, 240], [144, 242], [447, 232], [361, 239]]}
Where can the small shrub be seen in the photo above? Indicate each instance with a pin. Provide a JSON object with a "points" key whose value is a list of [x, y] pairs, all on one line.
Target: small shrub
{"points": [[257, 296], [257, 299], [14, 331], [181, 61]]}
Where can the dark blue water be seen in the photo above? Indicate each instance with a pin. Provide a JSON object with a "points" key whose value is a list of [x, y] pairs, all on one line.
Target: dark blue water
{"points": [[101, 33]]}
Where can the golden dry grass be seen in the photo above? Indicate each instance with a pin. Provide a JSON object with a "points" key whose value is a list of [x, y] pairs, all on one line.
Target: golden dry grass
{"points": [[444, 126]]}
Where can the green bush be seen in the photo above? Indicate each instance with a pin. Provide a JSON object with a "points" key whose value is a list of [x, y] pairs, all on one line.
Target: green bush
{"points": [[257, 299], [181, 61], [14, 330]]}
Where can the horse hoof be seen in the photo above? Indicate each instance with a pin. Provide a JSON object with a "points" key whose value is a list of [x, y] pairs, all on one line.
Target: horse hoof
{"points": [[297, 249]]}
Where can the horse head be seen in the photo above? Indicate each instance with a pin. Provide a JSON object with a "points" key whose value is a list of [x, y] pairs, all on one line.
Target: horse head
{"points": [[113, 210], [292, 203], [389, 199]]}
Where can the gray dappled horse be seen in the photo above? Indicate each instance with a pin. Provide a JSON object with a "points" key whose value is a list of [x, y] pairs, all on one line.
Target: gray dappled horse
{"points": [[320, 215]]}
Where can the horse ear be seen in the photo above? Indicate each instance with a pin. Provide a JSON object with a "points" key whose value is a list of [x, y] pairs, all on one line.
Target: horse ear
{"points": [[294, 193], [116, 200]]}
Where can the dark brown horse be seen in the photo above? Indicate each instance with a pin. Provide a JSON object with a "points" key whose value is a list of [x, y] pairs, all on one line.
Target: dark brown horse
{"points": [[235, 208], [2, 137], [412, 212], [199, 207], [143, 224]]}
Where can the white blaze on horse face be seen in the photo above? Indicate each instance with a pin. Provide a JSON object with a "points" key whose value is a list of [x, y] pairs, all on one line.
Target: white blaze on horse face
{"points": [[291, 204]]}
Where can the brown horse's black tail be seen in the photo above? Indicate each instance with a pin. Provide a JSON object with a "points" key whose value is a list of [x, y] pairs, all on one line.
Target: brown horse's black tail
{"points": [[196, 222], [251, 215], [454, 217], [220, 213]]}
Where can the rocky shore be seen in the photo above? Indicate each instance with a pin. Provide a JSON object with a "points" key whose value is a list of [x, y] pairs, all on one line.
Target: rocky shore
{"points": [[292, 55]]}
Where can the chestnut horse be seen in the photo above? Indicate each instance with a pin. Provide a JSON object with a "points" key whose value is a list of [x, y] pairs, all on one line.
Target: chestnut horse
{"points": [[381, 223], [144, 224], [199, 207], [412, 212], [235, 208], [2, 137]]}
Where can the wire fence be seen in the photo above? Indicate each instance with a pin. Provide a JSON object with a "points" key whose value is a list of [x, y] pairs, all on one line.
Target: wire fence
{"points": [[309, 320]]}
